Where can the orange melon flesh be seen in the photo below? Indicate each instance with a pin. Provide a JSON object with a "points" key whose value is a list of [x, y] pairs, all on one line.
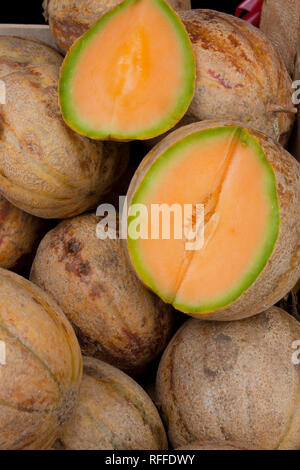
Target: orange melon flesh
{"points": [[226, 170], [131, 75]]}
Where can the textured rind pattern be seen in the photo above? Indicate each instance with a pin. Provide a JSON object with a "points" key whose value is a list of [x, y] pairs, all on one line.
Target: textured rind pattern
{"points": [[283, 267], [233, 381], [113, 413], [116, 318], [239, 76], [40, 380], [70, 19], [280, 21], [46, 169], [216, 445]]}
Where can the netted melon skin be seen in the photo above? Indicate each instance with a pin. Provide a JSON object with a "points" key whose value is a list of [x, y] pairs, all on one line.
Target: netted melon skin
{"points": [[280, 21], [209, 366], [240, 75], [216, 445]]}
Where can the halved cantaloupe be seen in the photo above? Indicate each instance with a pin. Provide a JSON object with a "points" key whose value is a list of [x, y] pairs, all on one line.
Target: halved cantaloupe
{"points": [[250, 190], [131, 76]]}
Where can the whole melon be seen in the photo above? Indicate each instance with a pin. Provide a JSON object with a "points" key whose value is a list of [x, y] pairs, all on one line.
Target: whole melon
{"points": [[239, 74], [116, 318], [46, 169], [113, 413], [19, 234], [69, 19], [40, 366], [235, 381]]}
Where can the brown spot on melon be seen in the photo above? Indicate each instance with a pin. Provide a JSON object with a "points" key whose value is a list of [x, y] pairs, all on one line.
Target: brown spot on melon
{"points": [[115, 317]]}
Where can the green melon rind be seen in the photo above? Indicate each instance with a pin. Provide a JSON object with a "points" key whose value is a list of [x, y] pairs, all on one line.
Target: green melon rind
{"points": [[68, 109], [267, 246]]}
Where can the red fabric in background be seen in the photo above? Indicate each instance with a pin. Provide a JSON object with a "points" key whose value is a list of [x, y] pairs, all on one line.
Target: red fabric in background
{"points": [[250, 10]]}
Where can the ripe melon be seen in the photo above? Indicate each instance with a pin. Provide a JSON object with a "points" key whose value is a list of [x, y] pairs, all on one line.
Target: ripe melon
{"points": [[113, 413], [116, 318], [131, 76], [40, 370], [236, 381], [239, 74], [19, 233], [69, 19], [46, 169], [250, 189]]}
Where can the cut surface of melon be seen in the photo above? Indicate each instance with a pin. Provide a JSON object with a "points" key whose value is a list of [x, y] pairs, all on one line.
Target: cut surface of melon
{"points": [[226, 170], [131, 76]]}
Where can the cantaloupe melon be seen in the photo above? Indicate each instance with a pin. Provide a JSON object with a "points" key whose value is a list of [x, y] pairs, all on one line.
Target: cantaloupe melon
{"points": [[46, 169], [235, 381], [116, 318], [69, 19], [250, 189], [131, 76], [239, 74], [40, 367], [113, 413]]}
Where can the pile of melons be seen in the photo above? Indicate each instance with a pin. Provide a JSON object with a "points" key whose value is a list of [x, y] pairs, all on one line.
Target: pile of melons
{"points": [[171, 106]]}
